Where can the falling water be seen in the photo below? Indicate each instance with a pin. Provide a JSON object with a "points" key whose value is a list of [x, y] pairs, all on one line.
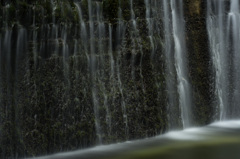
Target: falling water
{"points": [[170, 68], [6, 47], [224, 37], [234, 40], [83, 35], [107, 79], [112, 75], [150, 22], [136, 44], [14, 44], [175, 56], [133, 37], [121, 28], [101, 53], [93, 69], [21, 47], [184, 88]]}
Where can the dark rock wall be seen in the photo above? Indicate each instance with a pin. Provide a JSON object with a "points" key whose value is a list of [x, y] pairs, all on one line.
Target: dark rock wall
{"points": [[199, 61], [46, 100]]}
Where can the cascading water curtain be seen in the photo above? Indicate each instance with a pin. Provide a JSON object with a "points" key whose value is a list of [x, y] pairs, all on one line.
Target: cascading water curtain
{"points": [[179, 99], [223, 21], [184, 86]]}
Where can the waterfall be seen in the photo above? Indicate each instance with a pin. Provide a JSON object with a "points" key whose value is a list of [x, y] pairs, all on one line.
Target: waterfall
{"points": [[223, 20], [175, 56], [234, 33], [75, 74], [121, 28], [13, 45], [149, 19], [94, 61], [184, 87], [170, 68], [176, 63], [134, 37]]}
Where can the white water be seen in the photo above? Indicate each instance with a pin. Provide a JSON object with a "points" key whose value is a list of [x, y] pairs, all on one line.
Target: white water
{"points": [[93, 67], [193, 135], [102, 45], [175, 56], [176, 63], [224, 37], [170, 67], [184, 87], [234, 31]]}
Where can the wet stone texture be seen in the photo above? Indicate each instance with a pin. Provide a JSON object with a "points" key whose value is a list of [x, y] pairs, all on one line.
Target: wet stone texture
{"points": [[199, 61], [74, 74]]}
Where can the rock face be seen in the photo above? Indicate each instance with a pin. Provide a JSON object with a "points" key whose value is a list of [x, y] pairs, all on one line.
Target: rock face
{"points": [[199, 61], [78, 73]]}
